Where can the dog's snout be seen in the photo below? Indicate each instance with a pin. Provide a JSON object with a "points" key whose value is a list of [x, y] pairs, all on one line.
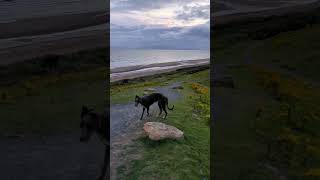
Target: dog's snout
{"points": [[83, 139]]}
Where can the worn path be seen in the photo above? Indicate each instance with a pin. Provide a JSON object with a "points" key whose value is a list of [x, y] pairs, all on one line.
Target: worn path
{"points": [[126, 126]]}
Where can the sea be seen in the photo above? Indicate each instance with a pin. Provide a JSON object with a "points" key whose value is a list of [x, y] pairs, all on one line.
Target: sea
{"points": [[133, 57]]}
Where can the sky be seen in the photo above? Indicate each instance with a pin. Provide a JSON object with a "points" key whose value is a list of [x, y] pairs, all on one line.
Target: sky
{"points": [[160, 24]]}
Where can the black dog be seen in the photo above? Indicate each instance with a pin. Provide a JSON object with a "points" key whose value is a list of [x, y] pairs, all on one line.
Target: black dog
{"points": [[148, 100], [92, 122]]}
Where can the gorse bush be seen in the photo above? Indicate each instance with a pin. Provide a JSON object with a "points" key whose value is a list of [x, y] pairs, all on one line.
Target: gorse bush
{"points": [[282, 88], [291, 131], [198, 88], [202, 101]]}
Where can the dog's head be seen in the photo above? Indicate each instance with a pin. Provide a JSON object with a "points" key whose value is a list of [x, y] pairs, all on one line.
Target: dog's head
{"points": [[88, 123], [137, 100]]}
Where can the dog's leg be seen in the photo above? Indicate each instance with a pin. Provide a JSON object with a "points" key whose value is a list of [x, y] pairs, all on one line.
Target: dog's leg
{"points": [[105, 169], [165, 115], [148, 111], [164, 109], [142, 113], [159, 104]]}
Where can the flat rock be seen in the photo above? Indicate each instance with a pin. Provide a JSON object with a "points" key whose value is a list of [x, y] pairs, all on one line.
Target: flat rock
{"points": [[158, 131]]}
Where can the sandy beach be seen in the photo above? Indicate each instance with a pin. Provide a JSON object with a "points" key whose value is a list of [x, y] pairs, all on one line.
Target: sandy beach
{"points": [[133, 72]]}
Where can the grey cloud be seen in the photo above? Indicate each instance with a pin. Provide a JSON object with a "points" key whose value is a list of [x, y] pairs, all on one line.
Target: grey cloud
{"points": [[144, 4], [202, 30], [193, 12], [149, 36], [125, 29], [165, 38]]}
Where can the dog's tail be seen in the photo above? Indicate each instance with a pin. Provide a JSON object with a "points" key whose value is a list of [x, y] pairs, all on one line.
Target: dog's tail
{"points": [[168, 105]]}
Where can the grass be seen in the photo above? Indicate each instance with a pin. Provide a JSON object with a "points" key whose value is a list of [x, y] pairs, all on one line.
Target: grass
{"points": [[169, 159], [291, 131], [52, 65], [124, 93], [273, 126], [236, 151], [45, 102], [302, 59]]}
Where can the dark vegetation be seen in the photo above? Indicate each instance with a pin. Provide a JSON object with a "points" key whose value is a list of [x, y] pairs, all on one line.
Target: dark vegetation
{"points": [[290, 132], [45, 94], [273, 131], [53, 64], [266, 27]]}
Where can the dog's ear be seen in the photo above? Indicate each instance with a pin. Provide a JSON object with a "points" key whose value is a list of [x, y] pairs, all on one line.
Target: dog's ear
{"points": [[85, 109], [90, 110], [137, 96]]}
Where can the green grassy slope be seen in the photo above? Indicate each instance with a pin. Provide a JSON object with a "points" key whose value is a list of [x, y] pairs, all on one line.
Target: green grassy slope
{"points": [[271, 132], [295, 51], [168, 159]]}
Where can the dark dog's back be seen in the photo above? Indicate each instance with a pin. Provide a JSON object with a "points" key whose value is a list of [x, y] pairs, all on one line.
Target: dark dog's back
{"points": [[147, 100]]}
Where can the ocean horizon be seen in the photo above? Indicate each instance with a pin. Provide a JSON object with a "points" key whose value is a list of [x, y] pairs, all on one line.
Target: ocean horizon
{"points": [[133, 57]]}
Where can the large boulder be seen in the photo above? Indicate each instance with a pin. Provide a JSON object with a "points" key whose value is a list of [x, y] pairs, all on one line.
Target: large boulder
{"points": [[158, 131]]}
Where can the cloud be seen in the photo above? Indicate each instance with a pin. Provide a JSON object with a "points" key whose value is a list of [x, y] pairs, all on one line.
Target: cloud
{"points": [[194, 12], [197, 37], [138, 5], [170, 24], [201, 31]]}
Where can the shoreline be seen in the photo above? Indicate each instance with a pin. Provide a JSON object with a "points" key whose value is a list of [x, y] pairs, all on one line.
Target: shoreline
{"points": [[141, 71]]}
